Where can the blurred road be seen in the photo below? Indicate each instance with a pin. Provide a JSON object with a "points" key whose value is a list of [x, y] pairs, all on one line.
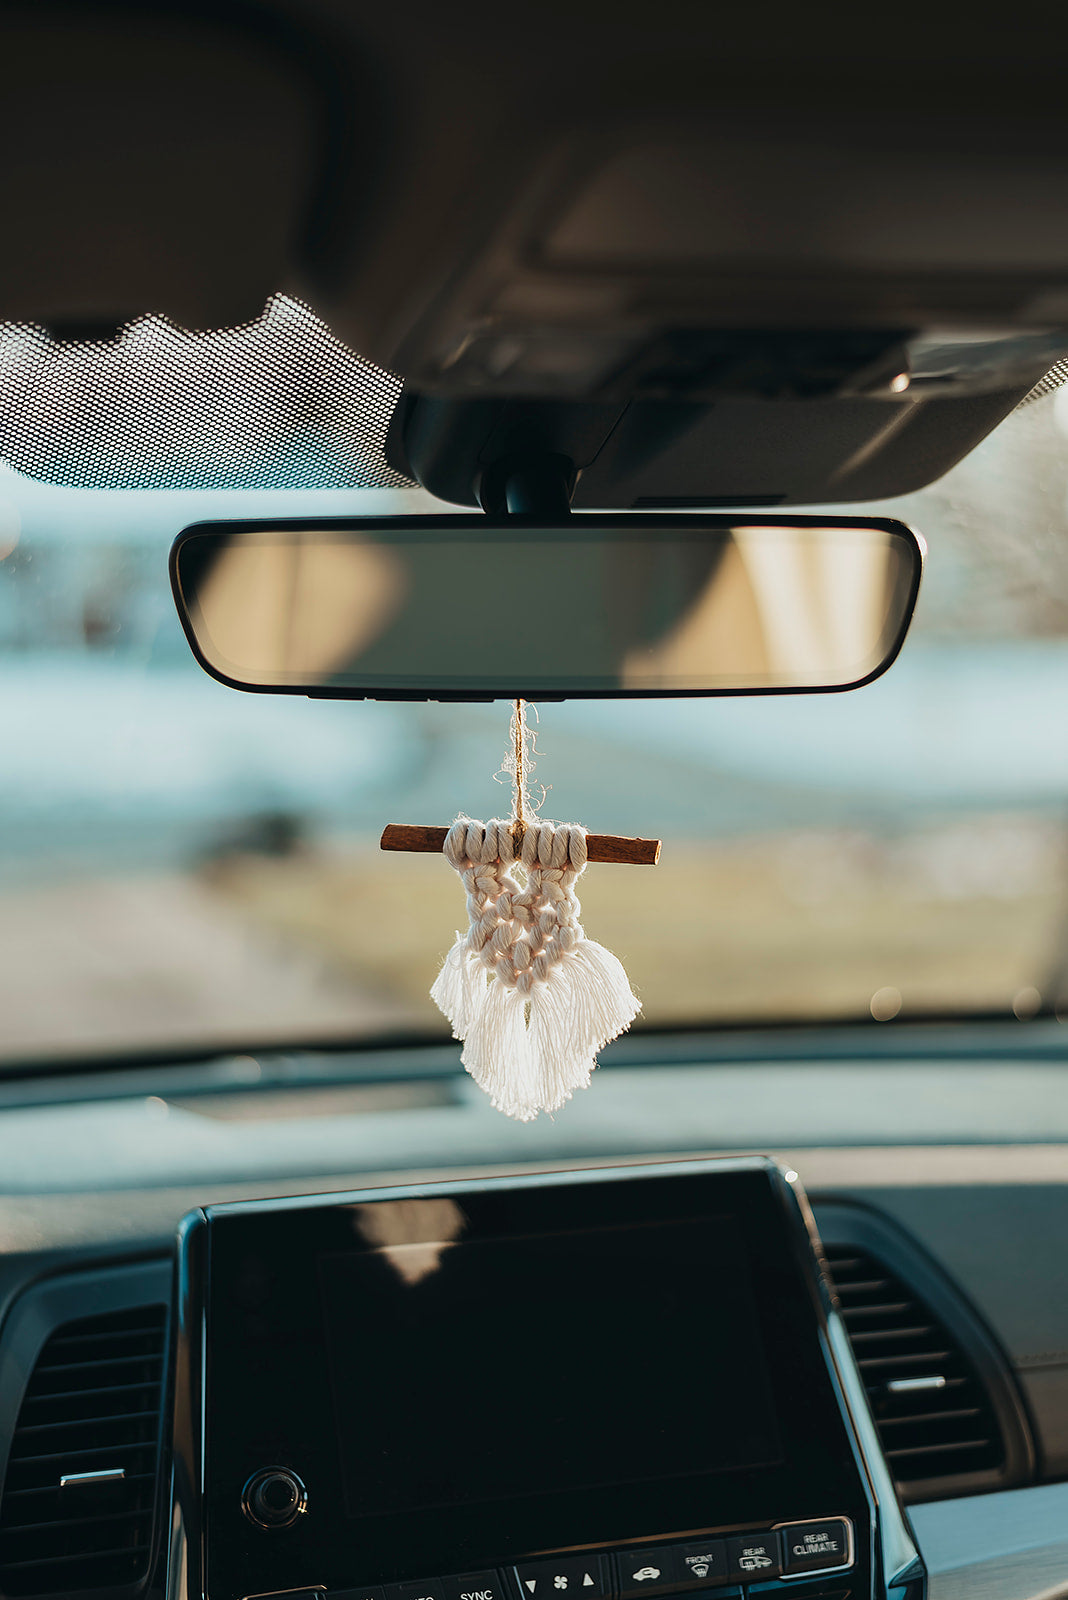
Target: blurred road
{"points": [[145, 962]]}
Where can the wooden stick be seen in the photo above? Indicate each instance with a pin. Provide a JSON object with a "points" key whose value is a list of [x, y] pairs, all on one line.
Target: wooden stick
{"points": [[599, 846]]}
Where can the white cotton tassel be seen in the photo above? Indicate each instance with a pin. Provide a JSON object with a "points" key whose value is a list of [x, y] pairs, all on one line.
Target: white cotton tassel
{"points": [[455, 990], [532, 998], [497, 1052]]}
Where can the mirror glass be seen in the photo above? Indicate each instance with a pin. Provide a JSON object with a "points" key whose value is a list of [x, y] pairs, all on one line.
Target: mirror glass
{"points": [[462, 607]]}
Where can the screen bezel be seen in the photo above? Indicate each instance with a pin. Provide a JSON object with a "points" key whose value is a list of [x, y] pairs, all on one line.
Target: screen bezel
{"points": [[492, 528], [281, 1241]]}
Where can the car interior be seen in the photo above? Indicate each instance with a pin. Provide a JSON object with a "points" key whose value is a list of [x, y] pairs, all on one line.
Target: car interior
{"points": [[673, 402]]}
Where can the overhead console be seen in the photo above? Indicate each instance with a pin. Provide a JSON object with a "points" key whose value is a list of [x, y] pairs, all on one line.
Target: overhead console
{"points": [[609, 1384]]}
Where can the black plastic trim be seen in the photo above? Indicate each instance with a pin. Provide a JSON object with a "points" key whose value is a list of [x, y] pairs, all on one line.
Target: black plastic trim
{"points": [[34, 1317], [844, 1223], [185, 1550]]}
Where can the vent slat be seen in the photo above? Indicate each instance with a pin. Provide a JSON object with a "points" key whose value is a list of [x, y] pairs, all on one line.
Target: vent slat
{"points": [[34, 1530], [841, 1264], [881, 1308], [895, 1334], [94, 1401], [99, 1364], [906, 1358], [54, 1509], [38, 1428], [37, 1402], [936, 1449], [79, 1379], [869, 1336], [131, 1330], [131, 1345], [26, 1494], [116, 1322], [931, 1416], [78, 1457], [127, 1553]]}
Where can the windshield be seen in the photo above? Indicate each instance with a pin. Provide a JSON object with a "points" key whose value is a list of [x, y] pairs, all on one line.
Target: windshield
{"points": [[185, 867]]}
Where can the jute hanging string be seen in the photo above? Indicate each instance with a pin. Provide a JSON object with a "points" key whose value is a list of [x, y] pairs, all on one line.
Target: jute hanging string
{"points": [[530, 996]]}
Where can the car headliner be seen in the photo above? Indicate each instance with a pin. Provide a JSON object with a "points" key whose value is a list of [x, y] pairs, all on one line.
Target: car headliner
{"points": [[693, 257]]}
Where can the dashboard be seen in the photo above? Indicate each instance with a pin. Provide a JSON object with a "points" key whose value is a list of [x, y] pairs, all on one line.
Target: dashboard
{"points": [[964, 1242]]}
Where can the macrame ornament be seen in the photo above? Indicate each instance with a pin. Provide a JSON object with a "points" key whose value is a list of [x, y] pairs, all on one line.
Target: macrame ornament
{"points": [[532, 999]]}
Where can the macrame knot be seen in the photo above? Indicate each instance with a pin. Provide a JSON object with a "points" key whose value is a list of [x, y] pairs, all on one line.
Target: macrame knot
{"points": [[531, 997]]}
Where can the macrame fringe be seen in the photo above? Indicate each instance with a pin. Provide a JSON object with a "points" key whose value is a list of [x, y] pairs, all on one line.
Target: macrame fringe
{"points": [[531, 1052], [531, 1027]]}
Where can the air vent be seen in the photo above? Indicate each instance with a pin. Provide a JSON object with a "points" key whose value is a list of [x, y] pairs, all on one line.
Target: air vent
{"points": [[934, 1417], [79, 1496]]}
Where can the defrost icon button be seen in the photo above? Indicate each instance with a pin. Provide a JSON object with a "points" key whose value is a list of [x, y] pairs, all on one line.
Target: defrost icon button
{"points": [[754, 1556], [703, 1563]]}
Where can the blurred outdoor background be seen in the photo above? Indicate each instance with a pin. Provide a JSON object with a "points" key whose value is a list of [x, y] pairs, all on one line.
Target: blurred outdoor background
{"points": [[182, 865]]}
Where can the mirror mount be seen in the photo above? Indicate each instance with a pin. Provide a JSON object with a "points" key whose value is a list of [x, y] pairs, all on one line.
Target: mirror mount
{"points": [[462, 451], [529, 486]]}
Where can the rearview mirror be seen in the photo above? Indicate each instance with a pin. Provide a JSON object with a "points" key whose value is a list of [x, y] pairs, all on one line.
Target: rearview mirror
{"points": [[465, 608]]}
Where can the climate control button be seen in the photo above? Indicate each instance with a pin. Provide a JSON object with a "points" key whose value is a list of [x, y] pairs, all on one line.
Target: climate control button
{"points": [[421, 1589], [474, 1586], [817, 1546], [703, 1564], [649, 1571], [562, 1578], [754, 1556]]}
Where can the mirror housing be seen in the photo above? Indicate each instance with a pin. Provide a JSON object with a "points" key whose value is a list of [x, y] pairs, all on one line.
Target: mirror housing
{"points": [[580, 606]]}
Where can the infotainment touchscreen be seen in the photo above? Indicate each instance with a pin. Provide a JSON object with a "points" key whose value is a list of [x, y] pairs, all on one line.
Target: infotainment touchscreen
{"points": [[443, 1383], [571, 1360]]}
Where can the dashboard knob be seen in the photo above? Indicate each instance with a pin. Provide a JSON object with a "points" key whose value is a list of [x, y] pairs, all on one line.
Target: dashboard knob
{"points": [[274, 1497]]}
